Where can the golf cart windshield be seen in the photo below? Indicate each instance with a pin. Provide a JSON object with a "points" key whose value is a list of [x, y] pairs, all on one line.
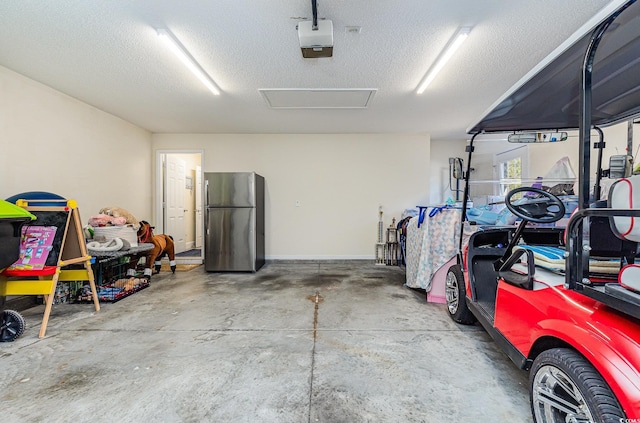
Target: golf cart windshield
{"points": [[499, 165]]}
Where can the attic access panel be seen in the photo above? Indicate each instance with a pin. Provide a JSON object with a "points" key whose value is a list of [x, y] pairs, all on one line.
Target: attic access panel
{"points": [[550, 98], [318, 98]]}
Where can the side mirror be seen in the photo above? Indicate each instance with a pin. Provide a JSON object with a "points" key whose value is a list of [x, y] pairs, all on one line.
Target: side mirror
{"points": [[455, 167], [537, 137], [620, 166]]}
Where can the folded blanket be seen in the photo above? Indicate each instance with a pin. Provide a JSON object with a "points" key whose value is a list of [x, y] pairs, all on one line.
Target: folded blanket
{"points": [[553, 258], [108, 292]]}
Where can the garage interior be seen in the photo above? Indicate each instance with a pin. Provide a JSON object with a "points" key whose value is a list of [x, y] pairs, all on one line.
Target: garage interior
{"points": [[93, 107]]}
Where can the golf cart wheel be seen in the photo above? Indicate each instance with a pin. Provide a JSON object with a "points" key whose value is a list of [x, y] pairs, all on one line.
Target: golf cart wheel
{"points": [[565, 387], [456, 297], [13, 325]]}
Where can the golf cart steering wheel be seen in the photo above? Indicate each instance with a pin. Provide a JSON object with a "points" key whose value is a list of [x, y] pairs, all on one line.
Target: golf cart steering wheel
{"points": [[545, 209]]}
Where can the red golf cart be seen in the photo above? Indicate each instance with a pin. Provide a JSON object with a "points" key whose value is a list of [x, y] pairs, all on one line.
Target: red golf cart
{"points": [[564, 301]]}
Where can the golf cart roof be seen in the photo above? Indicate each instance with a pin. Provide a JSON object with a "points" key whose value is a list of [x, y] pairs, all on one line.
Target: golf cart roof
{"points": [[548, 98]]}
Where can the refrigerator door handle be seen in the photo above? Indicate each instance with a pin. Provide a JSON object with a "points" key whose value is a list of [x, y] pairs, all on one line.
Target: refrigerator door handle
{"points": [[206, 193], [206, 219]]}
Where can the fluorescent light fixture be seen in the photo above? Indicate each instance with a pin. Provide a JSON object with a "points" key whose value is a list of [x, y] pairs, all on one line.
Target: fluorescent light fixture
{"points": [[454, 43], [178, 49]]}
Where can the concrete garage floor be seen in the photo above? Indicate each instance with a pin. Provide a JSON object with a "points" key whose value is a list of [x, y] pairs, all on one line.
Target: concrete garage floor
{"points": [[211, 347]]}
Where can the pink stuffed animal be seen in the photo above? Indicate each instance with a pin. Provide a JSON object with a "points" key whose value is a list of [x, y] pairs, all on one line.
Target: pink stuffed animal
{"points": [[105, 220], [113, 211]]}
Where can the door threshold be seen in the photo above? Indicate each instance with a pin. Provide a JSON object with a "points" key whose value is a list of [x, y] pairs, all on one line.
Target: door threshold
{"points": [[188, 260]]}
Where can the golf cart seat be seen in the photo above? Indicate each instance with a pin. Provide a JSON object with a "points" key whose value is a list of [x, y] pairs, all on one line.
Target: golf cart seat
{"points": [[606, 241], [625, 194]]}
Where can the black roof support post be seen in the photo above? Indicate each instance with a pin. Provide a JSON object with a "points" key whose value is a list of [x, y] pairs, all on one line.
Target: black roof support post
{"points": [[579, 261], [467, 175]]}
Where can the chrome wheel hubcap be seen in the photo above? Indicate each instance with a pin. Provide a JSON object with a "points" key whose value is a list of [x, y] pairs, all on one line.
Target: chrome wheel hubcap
{"points": [[451, 292], [556, 399]]}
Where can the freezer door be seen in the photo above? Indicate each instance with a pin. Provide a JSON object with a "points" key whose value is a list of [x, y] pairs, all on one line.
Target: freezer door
{"points": [[224, 189], [230, 239]]}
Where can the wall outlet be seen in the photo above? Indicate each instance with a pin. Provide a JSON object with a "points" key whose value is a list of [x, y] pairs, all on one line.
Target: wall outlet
{"points": [[298, 203]]}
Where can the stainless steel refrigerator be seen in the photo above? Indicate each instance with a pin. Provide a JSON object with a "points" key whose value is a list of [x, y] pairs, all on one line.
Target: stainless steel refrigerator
{"points": [[234, 222]]}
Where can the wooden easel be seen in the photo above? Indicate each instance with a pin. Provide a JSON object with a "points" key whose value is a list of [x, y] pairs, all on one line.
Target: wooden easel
{"points": [[70, 249]]}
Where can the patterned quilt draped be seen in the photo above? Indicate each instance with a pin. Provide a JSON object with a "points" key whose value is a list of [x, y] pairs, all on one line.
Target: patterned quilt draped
{"points": [[431, 246]]}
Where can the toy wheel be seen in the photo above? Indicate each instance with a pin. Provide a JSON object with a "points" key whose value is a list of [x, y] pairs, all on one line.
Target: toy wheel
{"points": [[13, 325], [565, 387], [455, 292]]}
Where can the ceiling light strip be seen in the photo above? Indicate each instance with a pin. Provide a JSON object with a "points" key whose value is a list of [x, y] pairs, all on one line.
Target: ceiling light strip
{"points": [[454, 43], [185, 57]]}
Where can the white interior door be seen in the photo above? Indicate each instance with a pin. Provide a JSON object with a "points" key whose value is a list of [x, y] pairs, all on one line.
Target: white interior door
{"points": [[198, 219], [175, 187]]}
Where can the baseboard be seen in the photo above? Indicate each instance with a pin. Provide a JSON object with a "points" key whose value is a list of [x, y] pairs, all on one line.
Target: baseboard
{"points": [[323, 262], [318, 258], [293, 259]]}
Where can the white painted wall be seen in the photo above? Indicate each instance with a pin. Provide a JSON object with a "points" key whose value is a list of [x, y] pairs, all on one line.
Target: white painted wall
{"points": [[52, 142], [339, 180], [439, 169]]}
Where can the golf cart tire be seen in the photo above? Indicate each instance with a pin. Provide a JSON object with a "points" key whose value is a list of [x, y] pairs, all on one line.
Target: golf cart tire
{"points": [[548, 377], [457, 297]]}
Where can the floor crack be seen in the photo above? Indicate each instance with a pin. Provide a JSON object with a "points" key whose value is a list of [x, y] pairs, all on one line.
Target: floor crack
{"points": [[316, 299]]}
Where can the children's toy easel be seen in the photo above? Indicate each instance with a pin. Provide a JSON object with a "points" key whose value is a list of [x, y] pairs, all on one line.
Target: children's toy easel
{"points": [[68, 248]]}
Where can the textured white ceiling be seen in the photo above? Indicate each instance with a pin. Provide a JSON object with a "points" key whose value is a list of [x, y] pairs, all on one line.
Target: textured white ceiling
{"points": [[107, 54]]}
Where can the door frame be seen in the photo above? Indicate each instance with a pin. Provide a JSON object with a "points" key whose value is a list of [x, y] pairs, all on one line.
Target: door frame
{"points": [[199, 187], [158, 185]]}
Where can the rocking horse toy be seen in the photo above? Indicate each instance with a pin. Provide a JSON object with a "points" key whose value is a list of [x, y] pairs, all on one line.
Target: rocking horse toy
{"points": [[162, 245]]}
